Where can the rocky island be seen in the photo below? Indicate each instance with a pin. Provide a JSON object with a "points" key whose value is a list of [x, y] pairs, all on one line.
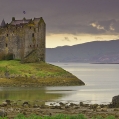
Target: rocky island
{"points": [[22, 55], [14, 73]]}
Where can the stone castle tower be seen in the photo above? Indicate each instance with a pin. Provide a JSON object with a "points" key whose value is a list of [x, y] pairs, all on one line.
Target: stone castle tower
{"points": [[23, 39]]}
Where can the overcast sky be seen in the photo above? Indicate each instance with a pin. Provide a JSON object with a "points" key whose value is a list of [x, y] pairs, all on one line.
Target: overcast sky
{"points": [[68, 22]]}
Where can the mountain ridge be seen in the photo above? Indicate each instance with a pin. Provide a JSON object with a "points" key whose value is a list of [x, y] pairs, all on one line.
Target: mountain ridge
{"points": [[90, 52]]}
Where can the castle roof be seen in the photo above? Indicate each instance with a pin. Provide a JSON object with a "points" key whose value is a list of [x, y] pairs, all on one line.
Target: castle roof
{"points": [[3, 23], [18, 22], [36, 18], [21, 22]]}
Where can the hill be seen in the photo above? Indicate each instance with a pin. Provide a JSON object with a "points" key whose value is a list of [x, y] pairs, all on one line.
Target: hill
{"points": [[14, 73], [91, 52]]}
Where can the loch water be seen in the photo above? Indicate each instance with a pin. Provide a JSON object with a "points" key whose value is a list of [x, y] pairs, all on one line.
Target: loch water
{"points": [[102, 83]]}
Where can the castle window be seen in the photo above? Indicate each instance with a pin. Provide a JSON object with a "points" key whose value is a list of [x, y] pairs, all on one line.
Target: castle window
{"points": [[7, 35], [32, 34], [6, 44], [30, 27], [30, 46]]}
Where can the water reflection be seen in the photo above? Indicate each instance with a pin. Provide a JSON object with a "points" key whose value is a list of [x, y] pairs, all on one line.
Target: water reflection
{"points": [[29, 94]]}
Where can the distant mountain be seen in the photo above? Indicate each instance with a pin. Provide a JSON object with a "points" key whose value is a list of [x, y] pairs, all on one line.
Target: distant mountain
{"points": [[91, 52]]}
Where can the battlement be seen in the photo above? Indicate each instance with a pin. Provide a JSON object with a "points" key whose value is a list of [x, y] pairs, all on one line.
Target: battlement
{"points": [[21, 37]]}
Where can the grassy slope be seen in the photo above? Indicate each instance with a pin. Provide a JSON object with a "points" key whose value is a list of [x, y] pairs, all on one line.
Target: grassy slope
{"points": [[39, 74]]}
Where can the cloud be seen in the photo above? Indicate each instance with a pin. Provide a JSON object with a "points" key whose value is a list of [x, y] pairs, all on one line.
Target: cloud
{"points": [[66, 39], [97, 26], [98, 38], [76, 38], [110, 26], [67, 16]]}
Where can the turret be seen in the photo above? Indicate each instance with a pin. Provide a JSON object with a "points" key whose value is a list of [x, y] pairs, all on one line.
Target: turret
{"points": [[13, 18], [3, 23], [42, 34]]}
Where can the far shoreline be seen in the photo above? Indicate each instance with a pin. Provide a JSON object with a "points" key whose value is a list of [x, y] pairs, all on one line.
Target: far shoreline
{"points": [[65, 63], [104, 63]]}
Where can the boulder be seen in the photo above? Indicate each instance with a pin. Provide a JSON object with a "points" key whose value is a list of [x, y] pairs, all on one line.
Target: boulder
{"points": [[3, 113], [4, 104], [25, 104], [115, 101], [8, 102]]}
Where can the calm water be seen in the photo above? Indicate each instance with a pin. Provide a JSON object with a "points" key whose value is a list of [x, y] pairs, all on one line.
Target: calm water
{"points": [[102, 83]]}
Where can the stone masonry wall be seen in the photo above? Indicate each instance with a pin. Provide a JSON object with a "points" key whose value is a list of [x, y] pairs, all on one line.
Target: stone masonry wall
{"points": [[22, 40]]}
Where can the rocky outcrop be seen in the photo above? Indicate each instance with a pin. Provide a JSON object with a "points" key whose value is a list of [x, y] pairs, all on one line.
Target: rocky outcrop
{"points": [[115, 101], [2, 113], [40, 109]]}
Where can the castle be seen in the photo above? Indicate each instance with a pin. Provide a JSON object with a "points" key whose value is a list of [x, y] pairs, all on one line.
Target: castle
{"points": [[23, 39]]}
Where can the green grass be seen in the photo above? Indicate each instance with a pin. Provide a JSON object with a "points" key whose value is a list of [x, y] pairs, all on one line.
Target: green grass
{"points": [[108, 117], [29, 69], [60, 116], [44, 73]]}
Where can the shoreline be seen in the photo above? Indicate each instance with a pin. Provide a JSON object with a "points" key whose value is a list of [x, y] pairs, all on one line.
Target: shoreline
{"points": [[13, 108]]}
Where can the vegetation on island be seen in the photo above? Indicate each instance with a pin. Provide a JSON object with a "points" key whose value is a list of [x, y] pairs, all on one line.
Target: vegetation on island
{"points": [[15, 73]]}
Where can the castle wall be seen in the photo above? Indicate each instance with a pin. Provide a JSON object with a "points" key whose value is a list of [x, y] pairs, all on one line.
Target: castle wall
{"points": [[13, 42], [42, 31], [30, 40], [22, 40], [2, 43]]}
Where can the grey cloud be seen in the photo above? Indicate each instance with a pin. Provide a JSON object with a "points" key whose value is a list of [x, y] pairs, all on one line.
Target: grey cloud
{"points": [[111, 25], [75, 38], [66, 16], [98, 38], [75, 29], [66, 39]]}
